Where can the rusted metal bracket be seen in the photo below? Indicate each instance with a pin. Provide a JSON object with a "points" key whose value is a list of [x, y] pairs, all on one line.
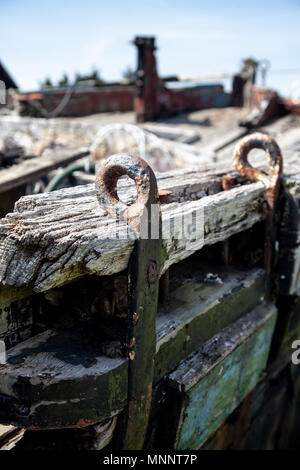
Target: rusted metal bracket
{"points": [[272, 183], [144, 216]]}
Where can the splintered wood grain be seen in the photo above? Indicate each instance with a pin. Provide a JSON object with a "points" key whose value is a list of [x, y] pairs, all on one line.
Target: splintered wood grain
{"points": [[54, 238]]}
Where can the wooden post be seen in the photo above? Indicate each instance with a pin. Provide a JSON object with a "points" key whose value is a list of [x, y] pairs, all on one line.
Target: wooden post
{"points": [[143, 283]]}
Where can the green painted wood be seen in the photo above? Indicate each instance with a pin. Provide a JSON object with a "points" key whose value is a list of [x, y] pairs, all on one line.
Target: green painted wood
{"points": [[211, 384], [144, 218], [61, 379], [195, 312]]}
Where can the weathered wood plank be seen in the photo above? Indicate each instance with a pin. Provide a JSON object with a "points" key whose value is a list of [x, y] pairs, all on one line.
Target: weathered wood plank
{"points": [[64, 380], [54, 238]]}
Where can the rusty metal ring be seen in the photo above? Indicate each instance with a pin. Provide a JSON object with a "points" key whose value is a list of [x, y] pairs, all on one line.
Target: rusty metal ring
{"points": [[274, 158], [106, 184]]}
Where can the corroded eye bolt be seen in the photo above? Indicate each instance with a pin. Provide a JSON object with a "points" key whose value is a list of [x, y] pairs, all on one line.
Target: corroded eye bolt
{"points": [[258, 140], [271, 181], [106, 186]]}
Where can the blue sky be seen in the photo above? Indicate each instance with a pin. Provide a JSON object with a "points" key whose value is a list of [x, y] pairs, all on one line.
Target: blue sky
{"points": [[48, 38]]}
